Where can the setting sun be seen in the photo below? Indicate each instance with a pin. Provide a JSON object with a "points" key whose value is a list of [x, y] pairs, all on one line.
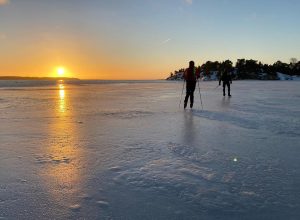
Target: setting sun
{"points": [[60, 71]]}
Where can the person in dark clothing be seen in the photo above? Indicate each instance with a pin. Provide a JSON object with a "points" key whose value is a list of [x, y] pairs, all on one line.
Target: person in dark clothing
{"points": [[190, 76], [226, 78]]}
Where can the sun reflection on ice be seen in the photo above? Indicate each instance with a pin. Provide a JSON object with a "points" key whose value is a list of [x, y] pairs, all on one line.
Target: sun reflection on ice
{"points": [[62, 103], [63, 154]]}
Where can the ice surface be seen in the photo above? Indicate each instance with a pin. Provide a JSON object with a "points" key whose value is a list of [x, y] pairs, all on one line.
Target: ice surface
{"points": [[126, 151]]}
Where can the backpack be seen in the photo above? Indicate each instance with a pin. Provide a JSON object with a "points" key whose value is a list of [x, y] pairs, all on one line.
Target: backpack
{"points": [[190, 74]]}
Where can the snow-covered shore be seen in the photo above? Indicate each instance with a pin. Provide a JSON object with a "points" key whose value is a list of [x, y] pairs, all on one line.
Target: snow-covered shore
{"points": [[214, 76]]}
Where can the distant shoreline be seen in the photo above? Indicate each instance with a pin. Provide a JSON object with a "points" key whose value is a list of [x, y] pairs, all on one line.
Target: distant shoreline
{"points": [[35, 78], [70, 78]]}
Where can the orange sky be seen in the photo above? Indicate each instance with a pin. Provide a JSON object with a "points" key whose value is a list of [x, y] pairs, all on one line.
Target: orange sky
{"points": [[42, 53], [43, 56]]}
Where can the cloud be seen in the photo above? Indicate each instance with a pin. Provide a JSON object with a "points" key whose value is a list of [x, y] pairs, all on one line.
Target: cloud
{"points": [[189, 2], [4, 2], [166, 41]]}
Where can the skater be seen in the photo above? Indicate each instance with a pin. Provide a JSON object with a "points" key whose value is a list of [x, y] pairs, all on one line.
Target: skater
{"points": [[226, 78], [190, 76]]}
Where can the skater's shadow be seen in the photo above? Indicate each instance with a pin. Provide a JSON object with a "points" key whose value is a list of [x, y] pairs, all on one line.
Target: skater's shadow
{"points": [[227, 117], [225, 102], [189, 130]]}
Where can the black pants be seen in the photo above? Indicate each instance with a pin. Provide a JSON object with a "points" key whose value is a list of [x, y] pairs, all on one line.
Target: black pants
{"points": [[228, 86], [190, 89]]}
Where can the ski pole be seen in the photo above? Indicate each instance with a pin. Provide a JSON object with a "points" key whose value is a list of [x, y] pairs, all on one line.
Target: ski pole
{"points": [[200, 94], [181, 93], [216, 87]]}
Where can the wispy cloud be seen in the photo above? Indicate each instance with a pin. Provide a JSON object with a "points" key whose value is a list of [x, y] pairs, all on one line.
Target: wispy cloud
{"points": [[165, 41], [189, 2], [4, 2]]}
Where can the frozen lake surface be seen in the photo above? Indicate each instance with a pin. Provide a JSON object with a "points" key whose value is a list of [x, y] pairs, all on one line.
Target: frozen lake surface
{"points": [[126, 151]]}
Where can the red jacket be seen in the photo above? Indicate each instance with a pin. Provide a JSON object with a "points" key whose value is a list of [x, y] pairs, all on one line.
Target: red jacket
{"points": [[191, 74]]}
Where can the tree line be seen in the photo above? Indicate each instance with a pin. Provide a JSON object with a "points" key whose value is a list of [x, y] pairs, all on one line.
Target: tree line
{"points": [[246, 69]]}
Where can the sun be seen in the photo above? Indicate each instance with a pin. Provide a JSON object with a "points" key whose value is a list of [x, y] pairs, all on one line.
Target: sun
{"points": [[60, 71]]}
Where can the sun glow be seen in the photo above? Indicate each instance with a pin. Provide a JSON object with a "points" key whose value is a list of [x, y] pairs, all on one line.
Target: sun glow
{"points": [[60, 71]]}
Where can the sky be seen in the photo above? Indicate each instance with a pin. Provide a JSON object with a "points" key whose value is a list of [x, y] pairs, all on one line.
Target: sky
{"points": [[141, 39]]}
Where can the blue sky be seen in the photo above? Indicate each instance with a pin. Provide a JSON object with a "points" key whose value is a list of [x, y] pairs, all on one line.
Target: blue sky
{"points": [[139, 39]]}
